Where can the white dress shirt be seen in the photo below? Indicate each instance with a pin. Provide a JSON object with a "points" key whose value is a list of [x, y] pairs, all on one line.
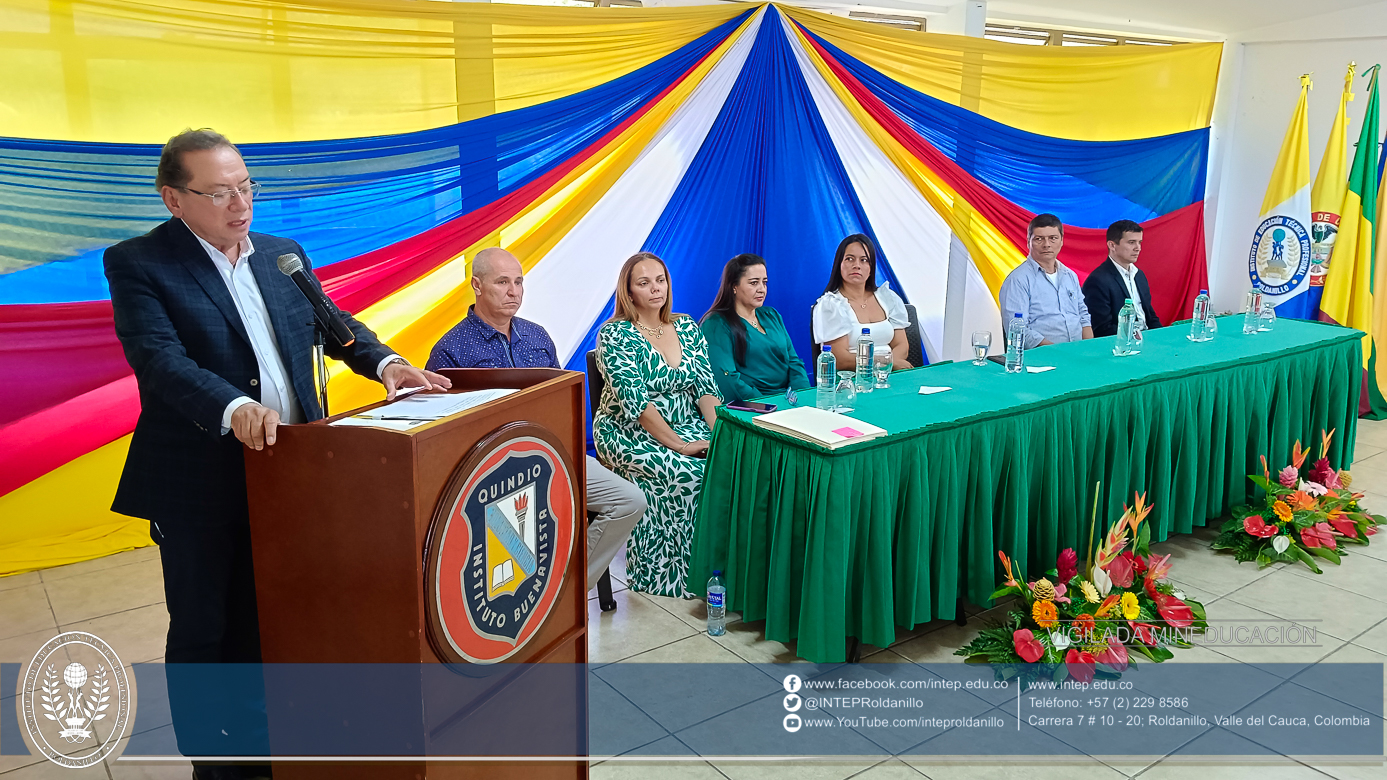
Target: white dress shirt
{"points": [[276, 391], [1129, 278]]}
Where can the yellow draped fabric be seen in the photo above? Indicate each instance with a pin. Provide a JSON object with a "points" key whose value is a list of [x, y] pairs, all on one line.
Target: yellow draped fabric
{"points": [[1101, 93], [136, 71], [65, 516]]}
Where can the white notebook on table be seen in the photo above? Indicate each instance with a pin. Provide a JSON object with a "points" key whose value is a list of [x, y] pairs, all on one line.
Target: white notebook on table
{"points": [[827, 429]]}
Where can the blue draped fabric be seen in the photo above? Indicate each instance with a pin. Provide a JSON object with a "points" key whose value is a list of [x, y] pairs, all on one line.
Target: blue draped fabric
{"points": [[63, 203], [1086, 183], [768, 181]]}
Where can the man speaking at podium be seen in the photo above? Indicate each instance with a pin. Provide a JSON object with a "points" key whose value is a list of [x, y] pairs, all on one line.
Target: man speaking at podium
{"points": [[220, 342]]}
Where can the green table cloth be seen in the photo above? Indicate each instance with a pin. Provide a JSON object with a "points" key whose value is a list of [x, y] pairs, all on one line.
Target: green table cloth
{"points": [[825, 545]]}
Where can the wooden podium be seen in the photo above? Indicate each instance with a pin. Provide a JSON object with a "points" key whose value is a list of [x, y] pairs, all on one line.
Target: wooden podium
{"points": [[341, 522]]}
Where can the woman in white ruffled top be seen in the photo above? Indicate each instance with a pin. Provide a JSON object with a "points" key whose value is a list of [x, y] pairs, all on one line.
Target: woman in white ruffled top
{"points": [[855, 300]]}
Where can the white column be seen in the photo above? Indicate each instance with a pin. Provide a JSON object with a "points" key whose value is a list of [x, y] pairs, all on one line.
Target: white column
{"points": [[956, 288]]}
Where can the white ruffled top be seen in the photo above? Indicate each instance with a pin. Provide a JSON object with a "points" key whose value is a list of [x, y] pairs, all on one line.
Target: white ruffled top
{"points": [[834, 317]]}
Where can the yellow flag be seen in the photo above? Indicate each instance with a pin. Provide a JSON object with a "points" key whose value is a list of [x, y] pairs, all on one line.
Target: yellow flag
{"points": [[1327, 196]]}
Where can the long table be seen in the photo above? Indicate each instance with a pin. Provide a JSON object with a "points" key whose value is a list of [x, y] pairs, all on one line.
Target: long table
{"points": [[826, 545]]}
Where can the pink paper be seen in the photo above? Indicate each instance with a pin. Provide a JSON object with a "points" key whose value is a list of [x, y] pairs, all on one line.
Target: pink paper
{"points": [[848, 433]]}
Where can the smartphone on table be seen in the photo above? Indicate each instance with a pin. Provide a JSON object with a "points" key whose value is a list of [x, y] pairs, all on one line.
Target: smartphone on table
{"points": [[751, 406]]}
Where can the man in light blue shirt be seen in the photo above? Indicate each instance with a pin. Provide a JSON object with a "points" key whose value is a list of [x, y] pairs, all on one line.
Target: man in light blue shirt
{"points": [[1046, 293]]}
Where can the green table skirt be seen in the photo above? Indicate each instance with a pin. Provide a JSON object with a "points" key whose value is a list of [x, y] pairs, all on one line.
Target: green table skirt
{"points": [[827, 545]]}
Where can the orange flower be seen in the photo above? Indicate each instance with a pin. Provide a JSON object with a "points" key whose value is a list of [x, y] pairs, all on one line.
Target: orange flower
{"points": [[1282, 511], [1302, 500], [1045, 614], [1006, 563], [1107, 605], [1083, 627]]}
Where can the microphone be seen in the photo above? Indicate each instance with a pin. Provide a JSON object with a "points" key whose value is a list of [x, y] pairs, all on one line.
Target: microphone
{"points": [[328, 315]]}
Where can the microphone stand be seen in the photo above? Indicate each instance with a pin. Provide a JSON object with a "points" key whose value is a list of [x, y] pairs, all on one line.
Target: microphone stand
{"points": [[320, 365]]}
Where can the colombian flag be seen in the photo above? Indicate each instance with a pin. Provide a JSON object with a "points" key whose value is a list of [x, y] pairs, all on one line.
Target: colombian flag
{"points": [[1349, 287], [1279, 263]]}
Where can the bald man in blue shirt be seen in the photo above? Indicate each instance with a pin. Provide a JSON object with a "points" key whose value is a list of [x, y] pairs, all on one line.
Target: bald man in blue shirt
{"points": [[492, 336]]}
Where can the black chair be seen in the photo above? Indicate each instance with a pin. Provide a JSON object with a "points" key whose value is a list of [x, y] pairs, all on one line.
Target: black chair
{"points": [[605, 600], [915, 344]]}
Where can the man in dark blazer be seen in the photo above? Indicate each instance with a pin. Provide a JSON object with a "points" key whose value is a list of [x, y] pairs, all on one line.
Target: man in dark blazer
{"points": [[220, 342], [1114, 281]]}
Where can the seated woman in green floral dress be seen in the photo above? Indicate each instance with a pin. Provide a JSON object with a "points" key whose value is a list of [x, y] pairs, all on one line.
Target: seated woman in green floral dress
{"points": [[655, 419]]}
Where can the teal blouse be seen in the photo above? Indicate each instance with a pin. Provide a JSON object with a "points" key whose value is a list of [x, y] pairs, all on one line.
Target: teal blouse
{"points": [[771, 364]]}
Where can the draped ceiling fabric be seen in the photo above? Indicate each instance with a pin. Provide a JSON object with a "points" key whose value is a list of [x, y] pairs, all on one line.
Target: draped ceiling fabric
{"points": [[396, 138]]}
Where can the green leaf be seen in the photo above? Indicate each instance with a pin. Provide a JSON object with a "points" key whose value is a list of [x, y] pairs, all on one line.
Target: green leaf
{"points": [[1261, 482], [1000, 592], [1228, 540], [1144, 540], [1304, 557], [1325, 553], [1234, 523]]}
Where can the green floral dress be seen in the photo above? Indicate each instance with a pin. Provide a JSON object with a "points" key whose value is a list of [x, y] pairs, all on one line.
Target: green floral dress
{"points": [[636, 374]]}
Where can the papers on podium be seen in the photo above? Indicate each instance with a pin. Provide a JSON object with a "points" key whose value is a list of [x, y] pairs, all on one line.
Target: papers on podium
{"points": [[816, 426], [421, 408]]}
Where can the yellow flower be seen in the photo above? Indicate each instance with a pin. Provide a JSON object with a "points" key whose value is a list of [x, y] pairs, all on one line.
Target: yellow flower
{"points": [[1130, 607], [1045, 614], [1090, 592], [1282, 511]]}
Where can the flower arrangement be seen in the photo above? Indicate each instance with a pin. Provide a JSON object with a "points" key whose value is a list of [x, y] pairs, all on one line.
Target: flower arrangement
{"points": [[1304, 514], [1073, 625]]}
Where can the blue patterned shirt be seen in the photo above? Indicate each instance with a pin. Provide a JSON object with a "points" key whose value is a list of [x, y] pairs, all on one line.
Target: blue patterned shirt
{"points": [[474, 344]]}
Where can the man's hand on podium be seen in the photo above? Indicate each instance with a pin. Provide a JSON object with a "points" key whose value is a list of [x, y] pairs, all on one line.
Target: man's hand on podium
{"points": [[399, 375], [255, 425]]}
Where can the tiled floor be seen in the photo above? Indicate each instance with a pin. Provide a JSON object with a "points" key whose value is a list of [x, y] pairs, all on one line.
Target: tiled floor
{"points": [[120, 598]]}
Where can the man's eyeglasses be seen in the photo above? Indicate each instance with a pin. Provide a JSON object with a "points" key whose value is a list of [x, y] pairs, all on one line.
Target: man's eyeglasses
{"points": [[224, 196]]}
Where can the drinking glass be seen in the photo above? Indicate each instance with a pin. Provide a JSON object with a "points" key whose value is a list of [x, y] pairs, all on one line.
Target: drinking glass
{"points": [[1268, 316], [1210, 327], [982, 341], [881, 368], [846, 394]]}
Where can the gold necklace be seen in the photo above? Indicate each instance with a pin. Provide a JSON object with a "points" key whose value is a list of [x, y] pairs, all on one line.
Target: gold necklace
{"points": [[658, 332]]}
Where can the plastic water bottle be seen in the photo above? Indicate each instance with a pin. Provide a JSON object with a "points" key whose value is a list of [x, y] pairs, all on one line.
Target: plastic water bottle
{"points": [[1199, 322], [826, 373], [1016, 345], [717, 605], [866, 351], [1252, 318], [1126, 330]]}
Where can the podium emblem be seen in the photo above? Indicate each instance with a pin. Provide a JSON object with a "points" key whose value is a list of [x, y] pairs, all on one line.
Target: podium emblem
{"points": [[76, 700], [501, 540]]}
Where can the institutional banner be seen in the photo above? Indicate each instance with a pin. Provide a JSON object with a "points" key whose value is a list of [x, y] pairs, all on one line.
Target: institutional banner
{"points": [[1279, 261]]}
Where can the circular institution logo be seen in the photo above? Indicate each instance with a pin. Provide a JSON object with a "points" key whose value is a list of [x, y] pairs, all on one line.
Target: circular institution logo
{"points": [[75, 700], [1280, 256], [498, 547]]}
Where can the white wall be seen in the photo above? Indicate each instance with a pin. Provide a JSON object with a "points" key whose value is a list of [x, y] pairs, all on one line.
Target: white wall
{"points": [[1257, 93]]}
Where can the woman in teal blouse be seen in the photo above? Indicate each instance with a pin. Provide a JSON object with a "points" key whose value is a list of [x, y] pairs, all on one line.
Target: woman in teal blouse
{"points": [[750, 350]]}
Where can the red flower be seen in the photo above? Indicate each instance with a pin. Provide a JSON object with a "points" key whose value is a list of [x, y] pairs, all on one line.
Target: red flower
{"points": [[1369, 531], [1175, 612], [1255, 525], [1343, 525], [1120, 570], [1115, 657], [1083, 626], [1081, 665], [1318, 535], [1027, 646], [1144, 631], [1322, 472], [1067, 565]]}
